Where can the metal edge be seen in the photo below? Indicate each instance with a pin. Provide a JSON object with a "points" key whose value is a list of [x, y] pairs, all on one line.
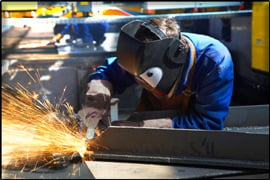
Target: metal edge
{"points": [[122, 19]]}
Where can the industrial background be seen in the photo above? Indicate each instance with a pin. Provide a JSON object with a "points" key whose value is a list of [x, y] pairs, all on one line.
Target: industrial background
{"points": [[243, 27]]}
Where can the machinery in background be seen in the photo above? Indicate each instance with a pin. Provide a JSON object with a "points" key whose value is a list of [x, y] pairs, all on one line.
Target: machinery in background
{"points": [[260, 36], [19, 10], [245, 34], [252, 72], [44, 9], [194, 7]]}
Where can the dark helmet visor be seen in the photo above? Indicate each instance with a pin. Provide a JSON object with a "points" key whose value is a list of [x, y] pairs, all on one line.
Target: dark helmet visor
{"points": [[137, 57]]}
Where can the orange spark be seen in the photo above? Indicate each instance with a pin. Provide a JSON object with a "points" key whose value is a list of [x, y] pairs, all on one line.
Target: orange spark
{"points": [[22, 66], [34, 131]]}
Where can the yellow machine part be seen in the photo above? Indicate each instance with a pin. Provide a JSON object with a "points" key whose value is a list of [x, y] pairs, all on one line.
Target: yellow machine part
{"points": [[15, 6], [17, 14], [260, 36], [115, 12], [44, 11], [18, 9]]}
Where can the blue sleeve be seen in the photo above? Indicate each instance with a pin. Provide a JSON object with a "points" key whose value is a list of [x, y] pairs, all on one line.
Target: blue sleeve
{"points": [[112, 72], [65, 29], [212, 100]]}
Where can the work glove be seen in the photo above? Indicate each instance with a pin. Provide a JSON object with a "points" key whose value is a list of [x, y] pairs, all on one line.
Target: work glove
{"points": [[57, 37], [95, 113]]}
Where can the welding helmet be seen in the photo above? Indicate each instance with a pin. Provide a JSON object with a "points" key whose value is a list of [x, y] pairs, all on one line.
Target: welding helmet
{"points": [[155, 64]]}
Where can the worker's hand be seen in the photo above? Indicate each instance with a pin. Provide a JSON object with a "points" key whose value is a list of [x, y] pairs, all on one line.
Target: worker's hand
{"points": [[57, 37], [98, 94], [94, 120], [96, 111], [155, 123]]}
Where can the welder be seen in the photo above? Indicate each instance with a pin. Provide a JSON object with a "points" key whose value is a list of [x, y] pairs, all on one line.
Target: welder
{"points": [[82, 34], [189, 72]]}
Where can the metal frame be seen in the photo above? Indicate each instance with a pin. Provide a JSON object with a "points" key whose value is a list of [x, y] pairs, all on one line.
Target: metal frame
{"points": [[176, 146], [120, 19], [245, 147]]}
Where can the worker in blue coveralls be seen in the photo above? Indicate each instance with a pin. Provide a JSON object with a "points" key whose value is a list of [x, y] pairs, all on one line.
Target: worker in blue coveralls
{"points": [[90, 33], [189, 72]]}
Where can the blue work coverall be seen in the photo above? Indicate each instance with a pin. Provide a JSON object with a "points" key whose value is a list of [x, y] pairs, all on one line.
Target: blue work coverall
{"points": [[88, 32], [212, 83]]}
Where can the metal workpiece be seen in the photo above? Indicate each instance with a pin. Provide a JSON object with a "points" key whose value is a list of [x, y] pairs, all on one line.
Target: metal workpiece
{"points": [[243, 144], [248, 116], [178, 146], [238, 116], [131, 170], [71, 171]]}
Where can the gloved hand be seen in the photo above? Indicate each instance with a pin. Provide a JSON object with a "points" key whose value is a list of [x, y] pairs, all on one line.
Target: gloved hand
{"points": [[57, 37], [95, 113]]}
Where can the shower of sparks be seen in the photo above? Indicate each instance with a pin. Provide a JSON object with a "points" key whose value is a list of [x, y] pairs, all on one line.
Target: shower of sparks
{"points": [[33, 132], [37, 134], [23, 68]]}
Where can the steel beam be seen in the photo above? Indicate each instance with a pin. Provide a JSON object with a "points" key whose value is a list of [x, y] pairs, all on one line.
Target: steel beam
{"points": [[178, 146], [244, 148]]}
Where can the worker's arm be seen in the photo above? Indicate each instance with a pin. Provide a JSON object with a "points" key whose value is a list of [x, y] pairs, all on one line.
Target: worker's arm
{"points": [[60, 35], [210, 109], [112, 72], [212, 102], [95, 113], [101, 84], [57, 37], [213, 98]]}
